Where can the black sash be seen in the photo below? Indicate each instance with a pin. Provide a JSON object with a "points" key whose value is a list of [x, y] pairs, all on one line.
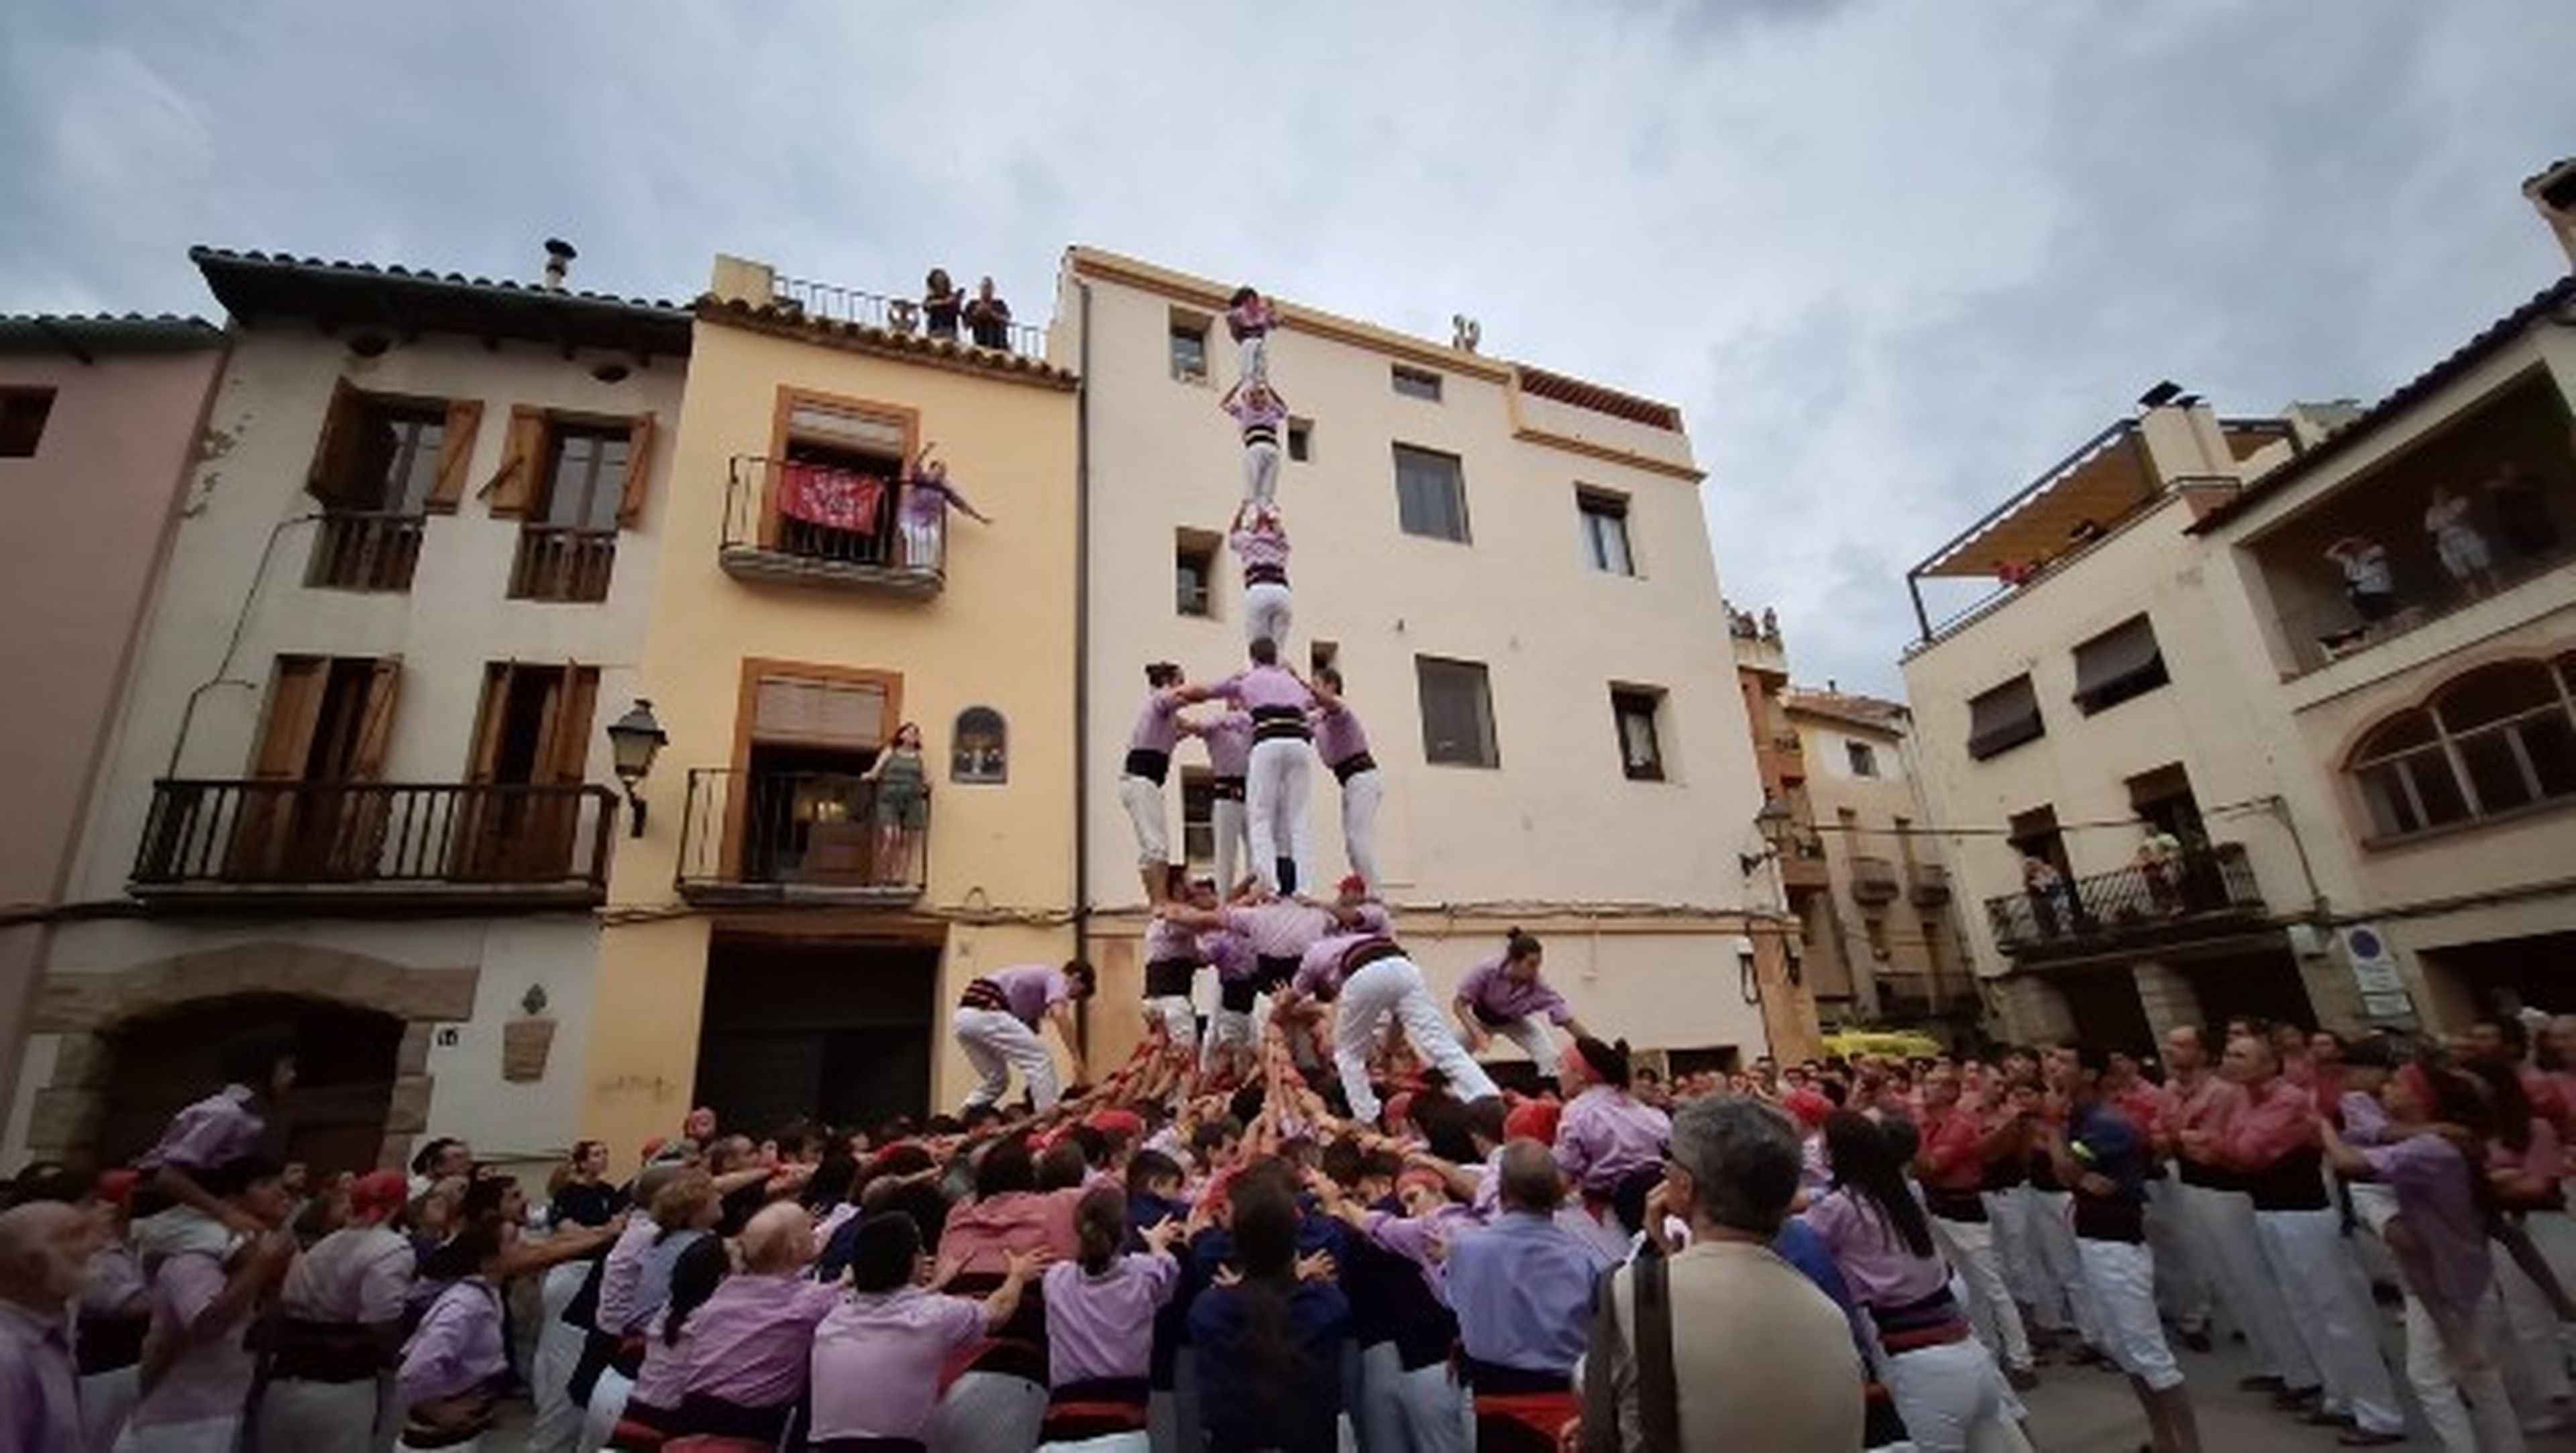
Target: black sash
{"points": [[1265, 575], [984, 994], [1168, 978], [1353, 765], [1149, 764]]}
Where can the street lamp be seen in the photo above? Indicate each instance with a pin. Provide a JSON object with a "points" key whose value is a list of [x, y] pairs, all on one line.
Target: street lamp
{"points": [[1773, 822], [633, 741]]}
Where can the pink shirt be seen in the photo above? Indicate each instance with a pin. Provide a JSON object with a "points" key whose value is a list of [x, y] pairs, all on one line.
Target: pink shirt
{"points": [[1103, 1326], [1882, 1270], [1230, 952], [980, 1235], [1504, 998], [1229, 743], [623, 1273], [1269, 687], [2278, 1118], [664, 1375], [752, 1342], [1031, 989], [457, 1347], [356, 1276], [1257, 416], [39, 1401], [1338, 736], [215, 1131], [1606, 1135], [1158, 724], [2543, 1159], [1282, 928], [210, 1377], [1260, 547], [875, 1369], [1319, 972]]}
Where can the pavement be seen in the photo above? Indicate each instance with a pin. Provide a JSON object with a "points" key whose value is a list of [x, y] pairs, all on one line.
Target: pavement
{"points": [[2084, 1409]]}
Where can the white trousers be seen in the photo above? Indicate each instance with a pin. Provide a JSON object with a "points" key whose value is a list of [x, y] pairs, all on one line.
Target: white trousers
{"points": [[1970, 1245], [1179, 1016], [105, 1399], [1267, 609], [2330, 1312], [1360, 798], [1537, 1039], [1228, 1030], [2534, 1367], [1282, 774], [921, 545], [996, 1043], [987, 1412], [2008, 1214], [1392, 989], [205, 1435], [1261, 472], [2179, 1288], [607, 1404], [1422, 1411], [1146, 809], [2241, 1279], [2062, 1293], [1252, 359], [2120, 1281], [1233, 827], [2490, 1426], [1942, 1393], [318, 1417], [558, 1418]]}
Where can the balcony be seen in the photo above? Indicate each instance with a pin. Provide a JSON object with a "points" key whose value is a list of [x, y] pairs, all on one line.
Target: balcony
{"points": [[270, 844], [1874, 880], [901, 316], [799, 524], [558, 564], [1803, 869], [1927, 884], [354, 551], [2196, 895], [796, 837]]}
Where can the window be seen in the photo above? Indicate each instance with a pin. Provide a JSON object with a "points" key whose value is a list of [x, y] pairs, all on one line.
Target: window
{"points": [[585, 471], [1605, 532], [980, 747], [1430, 494], [1457, 713], [23, 412], [1198, 817], [1194, 555], [1301, 441], [2004, 718], [1416, 383], [2499, 738], [2119, 663], [1641, 753], [1864, 758], [568, 545], [1189, 347]]}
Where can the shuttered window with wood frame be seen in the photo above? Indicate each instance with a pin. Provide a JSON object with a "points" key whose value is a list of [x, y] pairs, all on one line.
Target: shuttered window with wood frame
{"points": [[532, 740], [2003, 718], [324, 734], [527, 486], [393, 455], [816, 712], [2120, 663]]}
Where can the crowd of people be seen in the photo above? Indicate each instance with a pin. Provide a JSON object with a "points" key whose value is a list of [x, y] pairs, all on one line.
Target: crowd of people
{"points": [[1235, 1256]]}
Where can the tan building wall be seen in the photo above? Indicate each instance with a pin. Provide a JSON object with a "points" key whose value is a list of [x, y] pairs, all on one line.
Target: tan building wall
{"points": [[998, 635], [1557, 833], [84, 519]]}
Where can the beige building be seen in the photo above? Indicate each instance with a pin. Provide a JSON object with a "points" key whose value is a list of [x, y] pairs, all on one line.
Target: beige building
{"points": [[770, 949], [358, 781], [2254, 787], [99, 420], [1882, 946], [1512, 570]]}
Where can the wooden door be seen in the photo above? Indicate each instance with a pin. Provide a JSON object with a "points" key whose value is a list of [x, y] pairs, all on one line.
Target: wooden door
{"points": [[533, 731], [263, 824]]}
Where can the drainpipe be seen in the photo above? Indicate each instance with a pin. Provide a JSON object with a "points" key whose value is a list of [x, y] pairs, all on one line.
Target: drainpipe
{"points": [[1082, 641]]}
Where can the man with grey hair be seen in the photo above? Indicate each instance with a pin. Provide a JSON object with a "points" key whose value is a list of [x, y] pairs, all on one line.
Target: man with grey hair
{"points": [[43, 1246], [1749, 1354]]}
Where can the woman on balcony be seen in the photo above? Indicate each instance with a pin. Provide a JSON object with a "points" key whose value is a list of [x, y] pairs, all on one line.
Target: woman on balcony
{"points": [[940, 304], [902, 805], [927, 498]]}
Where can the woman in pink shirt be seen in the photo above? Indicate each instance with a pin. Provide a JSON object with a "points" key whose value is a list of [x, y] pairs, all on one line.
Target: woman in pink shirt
{"points": [[1100, 1327], [877, 1356]]}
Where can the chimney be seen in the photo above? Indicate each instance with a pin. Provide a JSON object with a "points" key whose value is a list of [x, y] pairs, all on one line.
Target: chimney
{"points": [[559, 256], [2553, 195]]}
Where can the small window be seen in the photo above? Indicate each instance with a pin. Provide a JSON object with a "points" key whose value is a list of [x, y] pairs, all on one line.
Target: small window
{"points": [[2118, 664], [22, 420], [2003, 718], [1457, 713], [1189, 347], [1641, 751], [1430, 494], [980, 748], [1416, 383], [1198, 818], [1194, 554], [585, 477], [1301, 440], [1864, 758], [1605, 532]]}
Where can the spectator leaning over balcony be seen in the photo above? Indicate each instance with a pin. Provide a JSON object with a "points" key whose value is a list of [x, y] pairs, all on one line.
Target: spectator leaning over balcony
{"points": [[902, 805], [2366, 581], [988, 318], [940, 302], [927, 498]]}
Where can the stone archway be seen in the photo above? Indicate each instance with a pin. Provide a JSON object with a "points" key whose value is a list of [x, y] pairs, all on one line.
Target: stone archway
{"points": [[88, 1010]]}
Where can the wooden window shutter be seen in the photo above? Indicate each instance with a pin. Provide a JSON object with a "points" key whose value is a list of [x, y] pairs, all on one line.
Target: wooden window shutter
{"points": [[376, 723], [801, 710], [294, 709], [639, 473], [567, 758], [335, 454], [455, 454], [515, 489]]}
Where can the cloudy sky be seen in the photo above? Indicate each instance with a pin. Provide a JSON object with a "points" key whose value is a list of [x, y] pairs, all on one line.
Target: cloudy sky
{"points": [[1891, 256]]}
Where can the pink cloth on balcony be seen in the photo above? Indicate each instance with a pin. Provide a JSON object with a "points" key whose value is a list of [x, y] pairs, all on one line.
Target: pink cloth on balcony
{"points": [[833, 498]]}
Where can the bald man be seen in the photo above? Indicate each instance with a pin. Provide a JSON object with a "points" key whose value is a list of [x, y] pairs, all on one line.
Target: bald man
{"points": [[43, 1247], [1522, 1289], [748, 1348], [339, 1328]]}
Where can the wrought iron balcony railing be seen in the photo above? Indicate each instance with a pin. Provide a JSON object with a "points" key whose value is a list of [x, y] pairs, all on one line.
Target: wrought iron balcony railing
{"points": [[2186, 896], [804, 524], [784, 836]]}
